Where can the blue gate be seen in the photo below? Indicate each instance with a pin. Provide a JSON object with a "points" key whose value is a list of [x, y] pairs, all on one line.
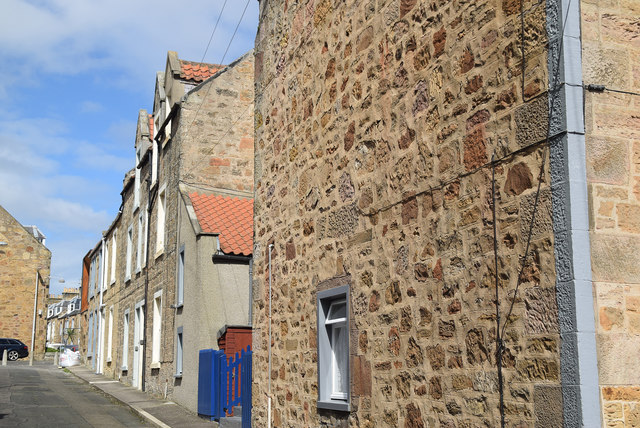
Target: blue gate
{"points": [[224, 383]]}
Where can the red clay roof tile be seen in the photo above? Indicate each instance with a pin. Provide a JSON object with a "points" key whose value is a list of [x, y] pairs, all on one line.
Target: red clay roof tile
{"points": [[197, 71], [231, 218]]}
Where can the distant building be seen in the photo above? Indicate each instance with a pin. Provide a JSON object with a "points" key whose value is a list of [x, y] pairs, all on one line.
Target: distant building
{"points": [[24, 262], [63, 319]]}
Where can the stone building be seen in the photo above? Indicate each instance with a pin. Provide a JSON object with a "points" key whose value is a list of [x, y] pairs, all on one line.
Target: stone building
{"points": [[63, 319], [382, 129], [24, 270], [611, 75], [156, 285]]}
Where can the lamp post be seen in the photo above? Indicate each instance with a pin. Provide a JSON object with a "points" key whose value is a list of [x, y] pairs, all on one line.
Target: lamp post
{"points": [[35, 308]]}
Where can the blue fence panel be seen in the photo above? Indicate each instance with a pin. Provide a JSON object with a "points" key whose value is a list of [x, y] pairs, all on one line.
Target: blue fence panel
{"points": [[224, 383], [247, 376], [206, 394]]}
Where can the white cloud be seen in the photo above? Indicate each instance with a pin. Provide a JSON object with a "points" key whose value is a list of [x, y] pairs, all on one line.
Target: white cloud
{"points": [[94, 156], [63, 182], [91, 107], [73, 36]]}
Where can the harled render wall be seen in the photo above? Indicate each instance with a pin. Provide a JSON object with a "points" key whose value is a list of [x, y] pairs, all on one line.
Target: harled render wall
{"points": [[375, 123], [611, 52]]}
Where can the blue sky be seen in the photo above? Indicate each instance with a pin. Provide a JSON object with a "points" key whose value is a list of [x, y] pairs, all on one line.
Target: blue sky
{"points": [[74, 74]]}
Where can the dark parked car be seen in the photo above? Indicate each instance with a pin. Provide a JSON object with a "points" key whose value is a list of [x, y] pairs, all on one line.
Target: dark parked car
{"points": [[15, 349]]}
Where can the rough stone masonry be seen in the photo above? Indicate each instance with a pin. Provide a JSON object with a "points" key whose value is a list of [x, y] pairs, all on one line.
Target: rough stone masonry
{"points": [[375, 125]]}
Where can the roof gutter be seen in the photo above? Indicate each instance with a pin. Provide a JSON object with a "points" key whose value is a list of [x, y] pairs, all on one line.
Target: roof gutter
{"points": [[219, 257]]}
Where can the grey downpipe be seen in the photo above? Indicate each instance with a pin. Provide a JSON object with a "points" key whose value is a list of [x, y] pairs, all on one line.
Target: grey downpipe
{"points": [[269, 391], [251, 292]]}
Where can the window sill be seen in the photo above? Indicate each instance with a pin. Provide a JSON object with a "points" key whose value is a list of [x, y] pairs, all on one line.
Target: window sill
{"points": [[155, 365], [136, 208], [108, 360], [177, 376], [158, 253], [339, 405], [124, 369], [113, 282]]}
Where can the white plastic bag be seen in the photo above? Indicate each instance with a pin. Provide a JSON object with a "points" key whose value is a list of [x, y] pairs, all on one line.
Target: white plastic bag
{"points": [[69, 358]]}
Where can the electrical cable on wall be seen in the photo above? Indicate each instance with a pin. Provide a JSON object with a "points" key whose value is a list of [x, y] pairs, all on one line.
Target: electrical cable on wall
{"points": [[186, 132]]}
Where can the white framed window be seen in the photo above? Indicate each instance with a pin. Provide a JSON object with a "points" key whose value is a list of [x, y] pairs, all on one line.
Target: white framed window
{"points": [[180, 278], [154, 158], [110, 337], [136, 185], [144, 236], [333, 349], [103, 284], [125, 340], [161, 211], [127, 275], [157, 329], [140, 240], [179, 352], [113, 255]]}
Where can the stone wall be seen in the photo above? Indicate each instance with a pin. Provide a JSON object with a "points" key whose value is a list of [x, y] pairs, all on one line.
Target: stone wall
{"points": [[20, 259], [217, 120], [375, 125], [610, 32]]}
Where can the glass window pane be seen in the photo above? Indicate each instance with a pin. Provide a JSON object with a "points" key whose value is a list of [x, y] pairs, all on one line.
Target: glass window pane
{"points": [[338, 309], [340, 360]]}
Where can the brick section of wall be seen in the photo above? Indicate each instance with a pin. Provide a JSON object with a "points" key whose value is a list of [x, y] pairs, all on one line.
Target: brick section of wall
{"points": [[610, 32], [19, 260], [371, 121]]}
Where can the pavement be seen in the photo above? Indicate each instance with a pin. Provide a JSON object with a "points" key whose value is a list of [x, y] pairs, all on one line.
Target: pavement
{"points": [[157, 412]]}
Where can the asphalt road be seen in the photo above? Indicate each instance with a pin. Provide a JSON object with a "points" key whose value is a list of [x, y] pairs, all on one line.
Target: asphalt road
{"points": [[44, 396]]}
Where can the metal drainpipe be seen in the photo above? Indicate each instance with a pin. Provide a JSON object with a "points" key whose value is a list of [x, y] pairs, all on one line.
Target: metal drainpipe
{"points": [[269, 396], [251, 292], [33, 327], [100, 326]]}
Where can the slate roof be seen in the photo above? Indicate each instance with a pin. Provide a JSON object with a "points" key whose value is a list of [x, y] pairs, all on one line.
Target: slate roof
{"points": [[231, 218], [197, 71]]}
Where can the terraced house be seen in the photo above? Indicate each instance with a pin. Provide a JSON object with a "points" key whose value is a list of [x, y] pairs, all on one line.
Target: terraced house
{"points": [[172, 269], [447, 213]]}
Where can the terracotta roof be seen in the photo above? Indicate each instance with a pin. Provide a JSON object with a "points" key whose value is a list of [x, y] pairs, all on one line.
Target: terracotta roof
{"points": [[197, 71], [231, 218]]}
